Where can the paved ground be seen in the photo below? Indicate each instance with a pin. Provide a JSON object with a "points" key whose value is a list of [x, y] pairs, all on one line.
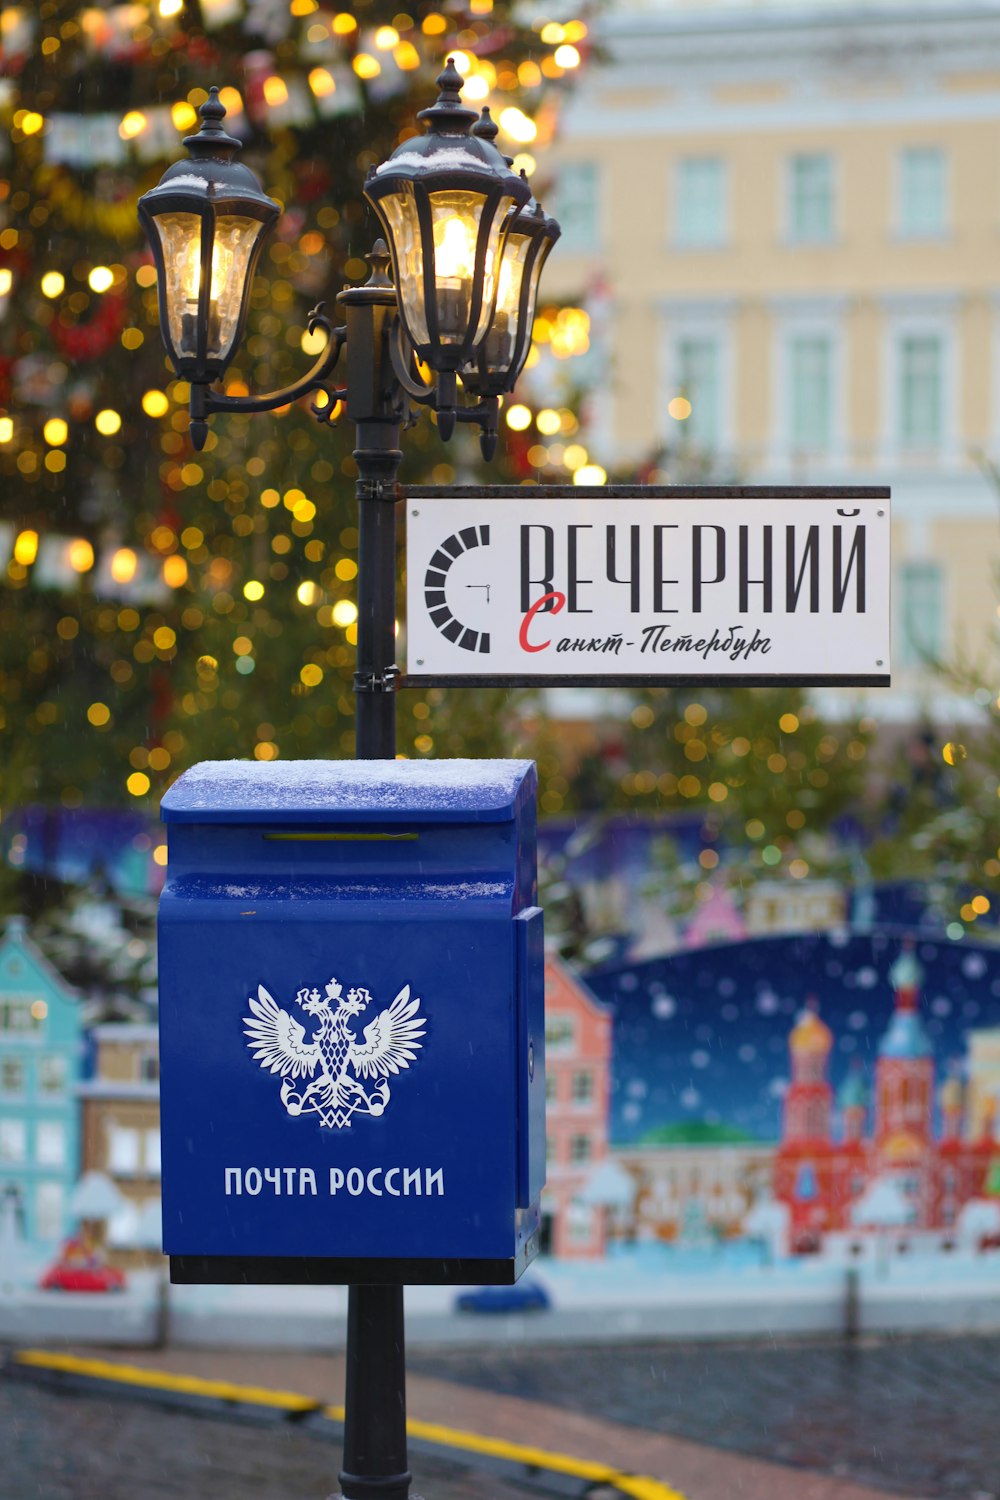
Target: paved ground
{"points": [[806, 1421], [63, 1447], [917, 1416], [624, 1407]]}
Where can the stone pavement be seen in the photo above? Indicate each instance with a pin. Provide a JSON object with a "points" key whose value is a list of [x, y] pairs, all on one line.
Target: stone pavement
{"points": [[915, 1415], [66, 1446], [698, 1471]]}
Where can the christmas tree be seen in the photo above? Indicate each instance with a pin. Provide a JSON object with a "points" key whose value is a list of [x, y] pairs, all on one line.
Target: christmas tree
{"points": [[160, 605]]}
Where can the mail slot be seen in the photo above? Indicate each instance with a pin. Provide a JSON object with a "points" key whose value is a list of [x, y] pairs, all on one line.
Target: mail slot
{"points": [[351, 1022]]}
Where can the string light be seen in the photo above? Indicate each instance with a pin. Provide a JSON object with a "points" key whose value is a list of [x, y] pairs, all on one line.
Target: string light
{"points": [[80, 555], [228, 505]]}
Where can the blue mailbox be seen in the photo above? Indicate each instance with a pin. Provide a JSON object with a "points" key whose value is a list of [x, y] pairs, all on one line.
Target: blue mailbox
{"points": [[351, 1022]]}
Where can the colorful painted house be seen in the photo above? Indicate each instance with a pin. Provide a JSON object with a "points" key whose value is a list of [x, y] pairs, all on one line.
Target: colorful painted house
{"points": [[41, 1054], [120, 1106], [577, 1080]]}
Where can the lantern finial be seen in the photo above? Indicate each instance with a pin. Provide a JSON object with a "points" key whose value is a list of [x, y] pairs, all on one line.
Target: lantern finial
{"points": [[449, 115], [212, 140]]}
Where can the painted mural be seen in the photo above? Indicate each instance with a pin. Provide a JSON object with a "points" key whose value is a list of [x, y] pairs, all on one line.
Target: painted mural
{"points": [[837, 1085]]}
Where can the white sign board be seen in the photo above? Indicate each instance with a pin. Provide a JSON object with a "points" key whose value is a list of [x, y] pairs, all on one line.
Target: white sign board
{"points": [[589, 585]]}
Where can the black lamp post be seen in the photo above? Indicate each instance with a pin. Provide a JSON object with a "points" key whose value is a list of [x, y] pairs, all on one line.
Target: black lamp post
{"points": [[467, 250]]}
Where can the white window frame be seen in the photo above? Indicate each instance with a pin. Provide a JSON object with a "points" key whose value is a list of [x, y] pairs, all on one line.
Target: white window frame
{"points": [[54, 1212], [902, 229], [61, 1063], [591, 244], [589, 1098], [51, 1143], [792, 237], [907, 658], [585, 1140], [21, 1005], [684, 237], [15, 1151], [124, 1162], [21, 1090], [807, 318], [687, 320], [920, 317], [567, 1042], [151, 1151]]}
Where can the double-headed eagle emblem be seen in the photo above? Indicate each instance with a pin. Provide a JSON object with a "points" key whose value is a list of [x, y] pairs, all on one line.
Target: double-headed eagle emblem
{"points": [[279, 1044]]}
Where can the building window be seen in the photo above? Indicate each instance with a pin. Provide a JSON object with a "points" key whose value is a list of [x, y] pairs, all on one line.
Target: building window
{"points": [[810, 207], [50, 1210], [921, 612], [12, 1075], [560, 1033], [123, 1226], [579, 1148], [700, 217], [810, 389], [123, 1149], [922, 191], [921, 391], [13, 1140], [52, 1075], [22, 1017], [149, 1066], [551, 1088], [575, 205], [151, 1152], [583, 1088], [580, 1222], [698, 379], [50, 1143]]}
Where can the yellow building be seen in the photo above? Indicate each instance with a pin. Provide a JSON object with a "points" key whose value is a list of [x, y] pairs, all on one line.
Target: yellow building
{"points": [[983, 1098], [120, 1126], [788, 219]]}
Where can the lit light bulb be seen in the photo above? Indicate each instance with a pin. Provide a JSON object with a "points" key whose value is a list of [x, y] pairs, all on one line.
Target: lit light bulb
{"points": [[454, 248]]}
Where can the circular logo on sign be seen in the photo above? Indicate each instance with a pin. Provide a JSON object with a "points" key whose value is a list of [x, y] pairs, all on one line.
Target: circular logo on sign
{"points": [[435, 579]]}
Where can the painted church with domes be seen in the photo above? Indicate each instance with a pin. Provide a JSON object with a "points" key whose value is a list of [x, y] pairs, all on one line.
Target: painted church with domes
{"points": [[858, 1162]]}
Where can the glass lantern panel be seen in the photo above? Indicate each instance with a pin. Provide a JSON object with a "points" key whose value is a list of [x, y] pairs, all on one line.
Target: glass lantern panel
{"points": [[493, 264], [455, 215], [400, 210], [180, 235], [235, 238], [502, 337]]}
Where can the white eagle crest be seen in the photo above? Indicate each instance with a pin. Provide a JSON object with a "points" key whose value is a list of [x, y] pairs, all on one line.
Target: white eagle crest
{"points": [[279, 1043]]}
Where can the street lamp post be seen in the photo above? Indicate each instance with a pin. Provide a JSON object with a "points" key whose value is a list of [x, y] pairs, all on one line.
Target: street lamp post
{"points": [[467, 244]]}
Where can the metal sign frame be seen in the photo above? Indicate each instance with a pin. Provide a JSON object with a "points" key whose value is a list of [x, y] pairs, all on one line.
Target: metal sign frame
{"points": [[501, 493]]}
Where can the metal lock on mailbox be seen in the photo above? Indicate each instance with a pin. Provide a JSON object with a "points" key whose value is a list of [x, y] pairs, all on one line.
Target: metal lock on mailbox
{"points": [[351, 1022]]}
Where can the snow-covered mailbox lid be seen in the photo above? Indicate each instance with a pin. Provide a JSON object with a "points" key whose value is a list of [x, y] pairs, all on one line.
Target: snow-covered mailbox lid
{"points": [[351, 1022]]}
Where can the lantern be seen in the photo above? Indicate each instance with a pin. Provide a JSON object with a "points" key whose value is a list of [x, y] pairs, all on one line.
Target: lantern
{"points": [[530, 238], [446, 200], [206, 222]]}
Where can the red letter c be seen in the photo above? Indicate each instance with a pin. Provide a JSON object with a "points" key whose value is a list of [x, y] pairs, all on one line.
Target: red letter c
{"points": [[558, 600]]}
